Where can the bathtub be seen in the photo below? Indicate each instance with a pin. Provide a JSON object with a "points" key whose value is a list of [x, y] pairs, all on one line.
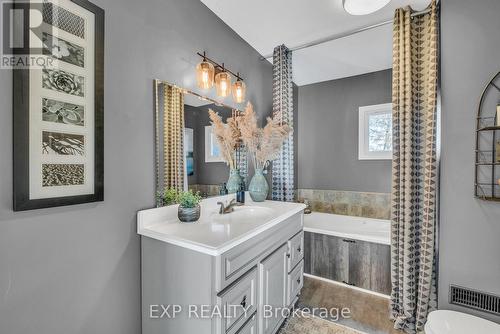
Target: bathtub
{"points": [[359, 228]]}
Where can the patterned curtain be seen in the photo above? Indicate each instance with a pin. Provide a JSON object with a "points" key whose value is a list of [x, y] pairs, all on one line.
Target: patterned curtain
{"points": [[283, 188], [173, 138], [414, 168], [241, 155]]}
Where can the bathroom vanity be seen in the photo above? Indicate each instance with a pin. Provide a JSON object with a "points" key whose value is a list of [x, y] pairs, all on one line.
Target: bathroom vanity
{"points": [[225, 274]]}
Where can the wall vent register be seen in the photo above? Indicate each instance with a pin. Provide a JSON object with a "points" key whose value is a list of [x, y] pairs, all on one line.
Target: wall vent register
{"points": [[473, 299]]}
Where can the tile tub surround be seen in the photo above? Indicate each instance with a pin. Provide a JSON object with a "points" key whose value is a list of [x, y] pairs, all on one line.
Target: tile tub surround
{"points": [[350, 203], [206, 190]]}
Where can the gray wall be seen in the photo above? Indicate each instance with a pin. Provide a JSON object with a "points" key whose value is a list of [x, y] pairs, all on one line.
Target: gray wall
{"points": [[328, 131], [206, 172], [470, 228], [77, 269]]}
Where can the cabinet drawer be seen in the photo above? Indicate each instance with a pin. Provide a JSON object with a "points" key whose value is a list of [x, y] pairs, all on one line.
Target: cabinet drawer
{"points": [[295, 250], [239, 297], [250, 327], [236, 261], [295, 282]]}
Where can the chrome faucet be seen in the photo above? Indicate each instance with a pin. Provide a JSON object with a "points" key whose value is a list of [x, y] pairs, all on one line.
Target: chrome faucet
{"points": [[227, 209]]}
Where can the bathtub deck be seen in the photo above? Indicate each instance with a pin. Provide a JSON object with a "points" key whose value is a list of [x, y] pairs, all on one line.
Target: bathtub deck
{"points": [[358, 228]]}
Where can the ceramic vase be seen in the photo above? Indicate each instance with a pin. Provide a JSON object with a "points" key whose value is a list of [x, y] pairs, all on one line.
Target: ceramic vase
{"points": [[258, 187], [188, 215], [234, 181]]}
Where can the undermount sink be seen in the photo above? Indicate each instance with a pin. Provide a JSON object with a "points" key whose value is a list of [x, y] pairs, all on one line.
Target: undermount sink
{"points": [[244, 214]]}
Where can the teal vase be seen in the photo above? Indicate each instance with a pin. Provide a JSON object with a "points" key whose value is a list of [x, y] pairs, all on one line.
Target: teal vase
{"points": [[234, 181], [258, 187]]}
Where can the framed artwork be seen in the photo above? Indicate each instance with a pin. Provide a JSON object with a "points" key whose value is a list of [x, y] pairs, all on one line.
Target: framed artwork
{"points": [[375, 132], [189, 150], [58, 110], [212, 150]]}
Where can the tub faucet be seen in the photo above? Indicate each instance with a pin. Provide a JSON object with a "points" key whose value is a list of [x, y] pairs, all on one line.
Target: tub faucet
{"points": [[227, 209], [307, 210]]}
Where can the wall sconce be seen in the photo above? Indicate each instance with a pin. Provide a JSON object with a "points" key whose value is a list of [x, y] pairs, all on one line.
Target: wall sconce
{"points": [[223, 83], [223, 79], [205, 73], [239, 90]]}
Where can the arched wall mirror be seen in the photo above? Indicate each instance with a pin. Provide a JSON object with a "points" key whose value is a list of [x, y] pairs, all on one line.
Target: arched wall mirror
{"points": [[186, 152]]}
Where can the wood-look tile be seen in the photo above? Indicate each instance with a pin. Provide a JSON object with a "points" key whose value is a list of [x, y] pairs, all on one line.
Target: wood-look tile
{"points": [[369, 310]]}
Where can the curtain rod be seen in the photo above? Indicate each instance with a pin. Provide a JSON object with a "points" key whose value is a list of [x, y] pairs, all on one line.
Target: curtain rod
{"points": [[344, 34]]}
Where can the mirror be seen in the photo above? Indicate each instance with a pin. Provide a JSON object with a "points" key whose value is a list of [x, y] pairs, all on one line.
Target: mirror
{"points": [[187, 153]]}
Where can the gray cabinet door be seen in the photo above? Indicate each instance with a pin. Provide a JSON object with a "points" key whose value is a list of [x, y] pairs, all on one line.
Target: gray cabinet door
{"points": [[273, 277], [326, 256], [369, 266], [381, 268], [359, 264]]}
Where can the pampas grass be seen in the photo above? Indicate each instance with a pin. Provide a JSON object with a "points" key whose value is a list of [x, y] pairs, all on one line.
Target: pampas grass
{"points": [[262, 143]]}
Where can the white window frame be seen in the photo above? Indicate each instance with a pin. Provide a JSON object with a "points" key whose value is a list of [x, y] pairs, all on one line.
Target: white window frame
{"points": [[363, 148], [209, 140]]}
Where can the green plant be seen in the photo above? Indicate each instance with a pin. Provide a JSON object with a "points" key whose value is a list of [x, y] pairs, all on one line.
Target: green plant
{"points": [[169, 196], [189, 199]]}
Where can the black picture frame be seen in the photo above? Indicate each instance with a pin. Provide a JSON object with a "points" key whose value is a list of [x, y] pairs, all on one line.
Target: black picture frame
{"points": [[21, 177]]}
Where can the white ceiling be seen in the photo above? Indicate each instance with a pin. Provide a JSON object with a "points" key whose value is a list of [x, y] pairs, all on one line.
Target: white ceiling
{"points": [[265, 24]]}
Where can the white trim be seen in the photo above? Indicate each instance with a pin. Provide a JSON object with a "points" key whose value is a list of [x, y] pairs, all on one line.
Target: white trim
{"points": [[348, 286], [363, 152]]}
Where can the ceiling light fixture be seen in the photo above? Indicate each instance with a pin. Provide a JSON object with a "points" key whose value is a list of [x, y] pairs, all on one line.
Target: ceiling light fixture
{"points": [[363, 7]]}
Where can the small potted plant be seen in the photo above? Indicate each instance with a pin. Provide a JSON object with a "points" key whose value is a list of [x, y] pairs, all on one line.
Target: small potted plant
{"points": [[167, 197], [189, 206]]}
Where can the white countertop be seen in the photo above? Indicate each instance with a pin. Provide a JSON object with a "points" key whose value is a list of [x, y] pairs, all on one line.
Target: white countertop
{"points": [[209, 235]]}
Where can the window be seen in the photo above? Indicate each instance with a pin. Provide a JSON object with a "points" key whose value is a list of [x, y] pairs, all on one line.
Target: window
{"points": [[375, 132]]}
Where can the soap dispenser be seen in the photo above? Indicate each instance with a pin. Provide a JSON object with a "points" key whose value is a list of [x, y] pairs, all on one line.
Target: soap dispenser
{"points": [[240, 195]]}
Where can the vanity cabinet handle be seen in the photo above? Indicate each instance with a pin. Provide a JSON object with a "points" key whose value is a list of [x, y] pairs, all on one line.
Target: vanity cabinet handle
{"points": [[288, 255], [299, 249], [298, 280], [244, 302], [349, 241]]}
